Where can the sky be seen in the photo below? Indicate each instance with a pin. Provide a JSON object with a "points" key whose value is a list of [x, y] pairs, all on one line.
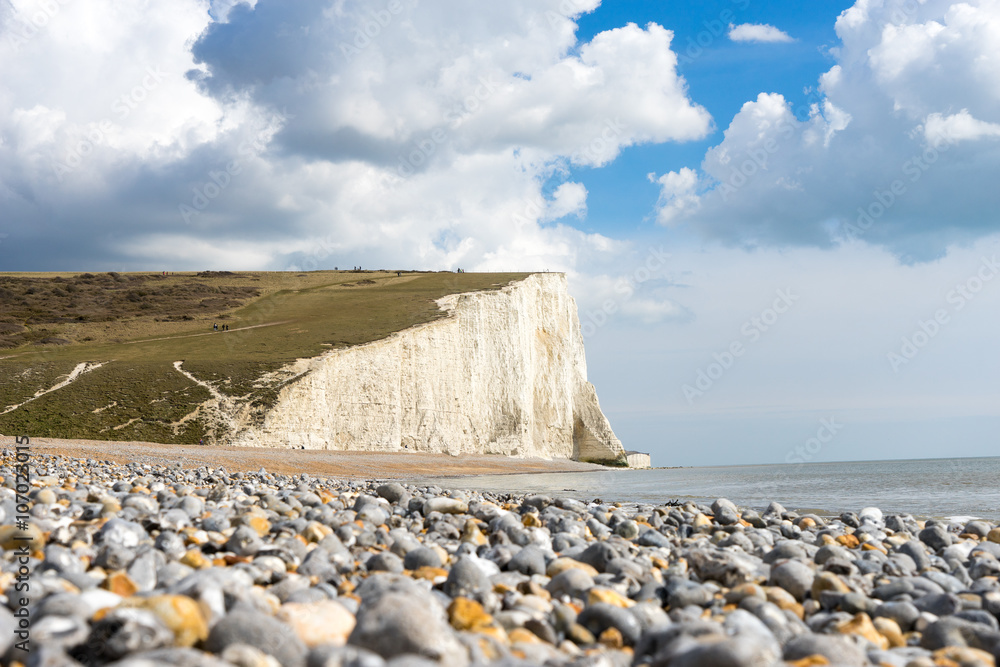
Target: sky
{"points": [[779, 219]]}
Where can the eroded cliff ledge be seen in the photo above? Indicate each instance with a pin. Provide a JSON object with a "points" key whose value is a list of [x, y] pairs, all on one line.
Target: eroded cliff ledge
{"points": [[503, 373]]}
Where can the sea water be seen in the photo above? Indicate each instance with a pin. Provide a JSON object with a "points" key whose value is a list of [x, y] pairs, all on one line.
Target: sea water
{"points": [[967, 487]]}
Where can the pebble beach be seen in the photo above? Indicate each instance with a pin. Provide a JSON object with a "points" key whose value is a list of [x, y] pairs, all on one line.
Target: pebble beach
{"points": [[136, 564]]}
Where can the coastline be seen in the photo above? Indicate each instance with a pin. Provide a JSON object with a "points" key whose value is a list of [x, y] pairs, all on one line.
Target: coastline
{"points": [[931, 488], [328, 463], [584, 481], [140, 563]]}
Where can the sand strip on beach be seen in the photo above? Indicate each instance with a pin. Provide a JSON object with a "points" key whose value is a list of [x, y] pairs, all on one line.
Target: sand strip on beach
{"points": [[356, 465]]}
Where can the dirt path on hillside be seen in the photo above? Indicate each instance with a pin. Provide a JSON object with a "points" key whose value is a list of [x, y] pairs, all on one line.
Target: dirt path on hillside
{"points": [[365, 465], [77, 371], [205, 333]]}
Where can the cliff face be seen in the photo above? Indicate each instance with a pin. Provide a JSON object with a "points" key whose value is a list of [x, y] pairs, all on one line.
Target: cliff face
{"points": [[503, 373]]}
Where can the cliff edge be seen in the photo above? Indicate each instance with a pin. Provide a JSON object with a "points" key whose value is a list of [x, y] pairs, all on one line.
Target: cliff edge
{"points": [[503, 373]]}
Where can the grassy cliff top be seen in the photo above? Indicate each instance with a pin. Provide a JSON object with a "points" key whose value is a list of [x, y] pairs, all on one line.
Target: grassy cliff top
{"points": [[137, 325]]}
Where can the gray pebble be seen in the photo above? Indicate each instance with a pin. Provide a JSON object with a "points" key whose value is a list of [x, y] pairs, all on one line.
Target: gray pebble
{"points": [[170, 544], [120, 533], [8, 624], [628, 530], [61, 559], [393, 492], [940, 604], [597, 555], [143, 569], [683, 593], [114, 557], [385, 561], [421, 557], [467, 580], [343, 656], [838, 650], [936, 537], [394, 624], [59, 631], [956, 632], [743, 651], [786, 549], [445, 506], [979, 616], [260, 631], [175, 657], [654, 538], [795, 577], [600, 616], [217, 522], [244, 541], [529, 560], [123, 631], [573, 582]]}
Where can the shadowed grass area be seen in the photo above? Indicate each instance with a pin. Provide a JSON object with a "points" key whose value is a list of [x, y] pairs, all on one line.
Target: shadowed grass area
{"points": [[22, 379], [274, 318]]}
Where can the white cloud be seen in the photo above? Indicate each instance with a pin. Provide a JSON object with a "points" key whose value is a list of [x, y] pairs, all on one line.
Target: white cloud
{"points": [[940, 129], [757, 32], [177, 249], [568, 199], [649, 311], [678, 194], [126, 91], [311, 133], [913, 102], [639, 283]]}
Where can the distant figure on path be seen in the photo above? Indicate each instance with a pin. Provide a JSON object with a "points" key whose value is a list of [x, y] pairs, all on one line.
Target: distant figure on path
{"points": [[215, 326]]}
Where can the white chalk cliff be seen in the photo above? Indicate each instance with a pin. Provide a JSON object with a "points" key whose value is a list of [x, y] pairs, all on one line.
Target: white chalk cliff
{"points": [[503, 373]]}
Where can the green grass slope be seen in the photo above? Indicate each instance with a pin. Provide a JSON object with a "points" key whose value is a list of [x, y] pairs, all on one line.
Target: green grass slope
{"points": [[130, 329]]}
